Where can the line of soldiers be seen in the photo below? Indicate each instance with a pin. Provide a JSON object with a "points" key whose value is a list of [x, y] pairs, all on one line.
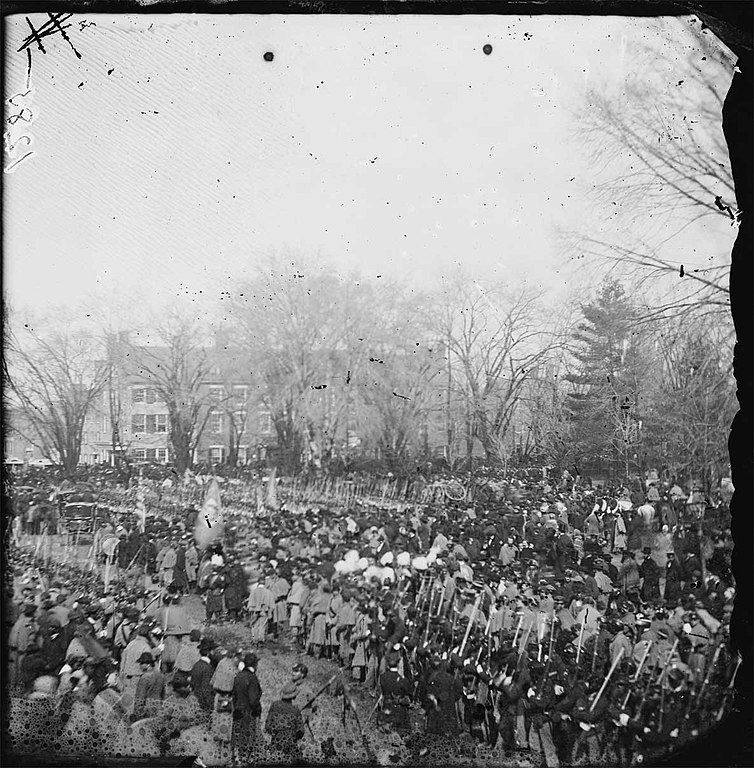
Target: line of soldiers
{"points": [[560, 674]]}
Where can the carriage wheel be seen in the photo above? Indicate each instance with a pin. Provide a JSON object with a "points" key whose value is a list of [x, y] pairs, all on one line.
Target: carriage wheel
{"points": [[455, 491]]}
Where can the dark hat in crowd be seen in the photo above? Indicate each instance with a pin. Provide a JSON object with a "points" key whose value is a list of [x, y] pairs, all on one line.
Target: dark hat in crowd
{"points": [[195, 635], [145, 658], [250, 660], [647, 550], [143, 629]]}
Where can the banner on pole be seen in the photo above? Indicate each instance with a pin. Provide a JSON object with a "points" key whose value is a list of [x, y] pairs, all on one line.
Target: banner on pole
{"points": [[210, 522], [272, 493]]}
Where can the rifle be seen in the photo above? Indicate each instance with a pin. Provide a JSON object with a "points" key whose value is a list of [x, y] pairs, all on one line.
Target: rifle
{"points": [[606, 680], [474, 611], [320, 691], [728, 690], [549, 658], [708, 675]]}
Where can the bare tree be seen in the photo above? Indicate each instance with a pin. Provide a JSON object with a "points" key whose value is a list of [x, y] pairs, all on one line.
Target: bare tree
{"points": [[497, 342], [176, 366], [399, 384], [661, 165], [53, 377], [694, 402]]}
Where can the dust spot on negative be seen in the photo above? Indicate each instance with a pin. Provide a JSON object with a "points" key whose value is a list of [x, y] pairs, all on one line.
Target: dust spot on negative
{"points": [[487, 49], [269, 56]]}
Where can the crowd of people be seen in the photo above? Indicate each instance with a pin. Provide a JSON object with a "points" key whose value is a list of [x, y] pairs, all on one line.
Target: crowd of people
{"points": [[579, 626]]}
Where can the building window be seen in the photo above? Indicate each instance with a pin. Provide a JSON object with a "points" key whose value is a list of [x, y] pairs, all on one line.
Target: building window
{"points": [[240, 394], [9, 447], [139, 453], [265, 423], [138, 422], [95, 458], [243, 454], [139, 395], [151, 396], [151, 420], [85, 438], [216, 454], [162, 454], [216, 422], [151, 454], [161, 424], [239, 419], [216, 393]]}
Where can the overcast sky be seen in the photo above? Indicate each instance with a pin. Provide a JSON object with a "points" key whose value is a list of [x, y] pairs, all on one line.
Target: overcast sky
{"points": [[171, 155]]}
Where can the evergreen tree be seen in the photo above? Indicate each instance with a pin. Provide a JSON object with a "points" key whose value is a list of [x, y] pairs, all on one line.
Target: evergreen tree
{"points": [[605, 400]]}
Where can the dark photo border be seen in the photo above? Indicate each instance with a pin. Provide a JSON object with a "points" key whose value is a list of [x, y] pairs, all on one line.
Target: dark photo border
{"points": [[730, 744]]}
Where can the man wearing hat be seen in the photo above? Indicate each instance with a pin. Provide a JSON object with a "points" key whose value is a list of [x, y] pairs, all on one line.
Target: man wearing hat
{"points": [[126, 629], [649, 572], [396, 695], [284, 724], [60, 609], [673, 578], [247, 708], [150, 687], [201, 676], [130, 667]]}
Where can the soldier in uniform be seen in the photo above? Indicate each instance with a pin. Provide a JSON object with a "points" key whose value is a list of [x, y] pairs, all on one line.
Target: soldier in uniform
{"points": [[540, 698], [396, 696]]}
